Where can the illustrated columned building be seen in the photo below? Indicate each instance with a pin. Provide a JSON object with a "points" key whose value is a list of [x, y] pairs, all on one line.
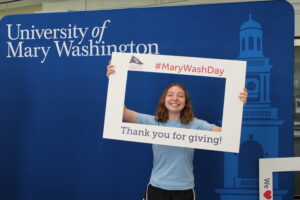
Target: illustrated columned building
{"points": [[260, 131]]}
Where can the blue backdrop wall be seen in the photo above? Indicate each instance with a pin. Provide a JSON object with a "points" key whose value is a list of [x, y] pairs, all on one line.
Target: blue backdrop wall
{"points": [[53, 94]]}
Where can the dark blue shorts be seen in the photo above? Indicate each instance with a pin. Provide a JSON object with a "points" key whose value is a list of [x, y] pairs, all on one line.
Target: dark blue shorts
{"points": [[155, 193]]}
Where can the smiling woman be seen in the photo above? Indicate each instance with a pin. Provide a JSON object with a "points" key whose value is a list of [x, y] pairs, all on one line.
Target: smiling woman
{"points": [[172, 166]]}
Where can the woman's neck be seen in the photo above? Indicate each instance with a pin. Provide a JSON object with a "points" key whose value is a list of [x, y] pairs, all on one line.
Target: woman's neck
{"points": [[174, 116]]}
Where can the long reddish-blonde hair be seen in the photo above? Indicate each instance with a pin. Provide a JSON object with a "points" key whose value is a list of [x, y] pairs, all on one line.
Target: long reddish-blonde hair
{"points": [[186, 114]]}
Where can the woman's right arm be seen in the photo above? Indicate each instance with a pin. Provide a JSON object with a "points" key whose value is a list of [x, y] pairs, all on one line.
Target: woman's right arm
{"points": [[128, 115]]}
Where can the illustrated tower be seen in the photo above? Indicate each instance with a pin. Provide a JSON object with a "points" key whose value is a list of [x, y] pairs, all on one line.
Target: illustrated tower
{"points": [[260, 131]]}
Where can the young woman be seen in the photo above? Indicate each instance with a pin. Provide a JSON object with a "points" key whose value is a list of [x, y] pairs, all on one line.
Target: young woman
{"points": [[172, 175]]}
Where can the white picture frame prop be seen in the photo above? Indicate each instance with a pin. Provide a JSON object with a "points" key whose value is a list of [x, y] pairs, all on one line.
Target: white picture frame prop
{"points": [[232, 70], [266, 168]]}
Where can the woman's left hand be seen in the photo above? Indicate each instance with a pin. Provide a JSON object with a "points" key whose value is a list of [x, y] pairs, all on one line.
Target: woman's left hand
{"points": [[244, 96]]}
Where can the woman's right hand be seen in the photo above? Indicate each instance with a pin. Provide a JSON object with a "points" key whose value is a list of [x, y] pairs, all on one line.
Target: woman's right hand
{"points": [[110, 69]]}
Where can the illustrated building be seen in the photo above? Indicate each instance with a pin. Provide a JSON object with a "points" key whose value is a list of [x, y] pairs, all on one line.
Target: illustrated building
{"points": [[260, 131]]}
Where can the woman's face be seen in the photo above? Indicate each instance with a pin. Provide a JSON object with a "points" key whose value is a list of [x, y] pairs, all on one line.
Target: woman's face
{"points": [[175, 99]]}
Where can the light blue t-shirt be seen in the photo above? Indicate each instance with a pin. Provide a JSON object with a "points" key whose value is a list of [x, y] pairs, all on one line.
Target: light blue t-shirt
{"points": [[173, 166]]}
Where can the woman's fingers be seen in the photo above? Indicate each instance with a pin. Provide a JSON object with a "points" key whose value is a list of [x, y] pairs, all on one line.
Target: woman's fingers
{"points": [[110, 69], [244, 96]]}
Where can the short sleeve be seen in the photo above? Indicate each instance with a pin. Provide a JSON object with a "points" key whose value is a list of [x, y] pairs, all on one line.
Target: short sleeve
{"points": [[203, 125], [145, 119]]}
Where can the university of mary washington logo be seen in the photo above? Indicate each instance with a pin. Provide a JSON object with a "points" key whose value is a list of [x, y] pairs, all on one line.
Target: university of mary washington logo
{"points": [[135, 60], [135, 63]]}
